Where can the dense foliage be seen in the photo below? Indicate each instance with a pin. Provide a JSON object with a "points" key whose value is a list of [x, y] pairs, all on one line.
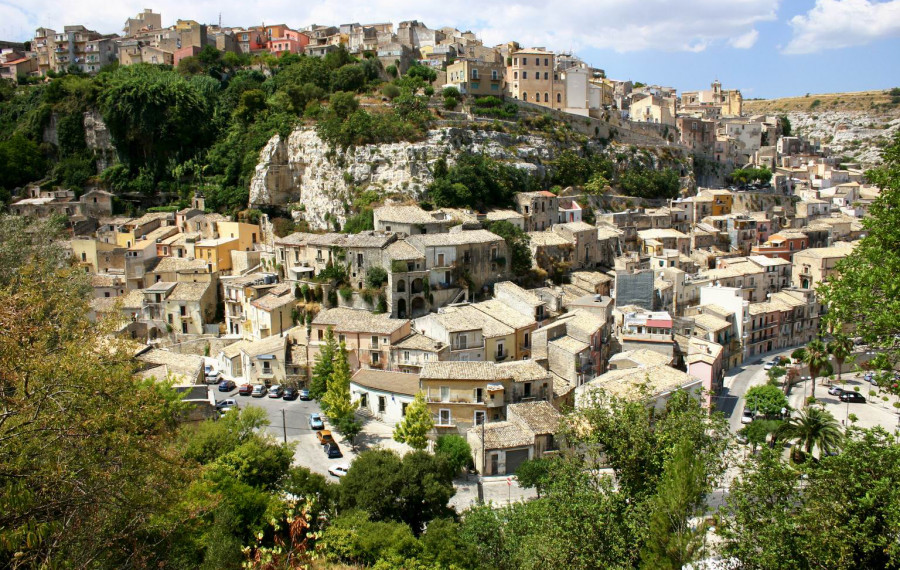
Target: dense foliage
{"points": [[477, 181]]}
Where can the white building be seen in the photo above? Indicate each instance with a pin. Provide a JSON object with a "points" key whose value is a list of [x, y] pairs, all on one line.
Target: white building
{"points": [[383, 395]]}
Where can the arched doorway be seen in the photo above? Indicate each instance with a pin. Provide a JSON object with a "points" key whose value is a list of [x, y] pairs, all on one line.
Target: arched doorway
{"points": [[401, 309], [418, 307], [417, 285], [401, 286]]}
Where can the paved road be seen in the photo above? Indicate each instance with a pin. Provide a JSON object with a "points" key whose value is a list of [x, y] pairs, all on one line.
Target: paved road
{"points": [[740, 379]]}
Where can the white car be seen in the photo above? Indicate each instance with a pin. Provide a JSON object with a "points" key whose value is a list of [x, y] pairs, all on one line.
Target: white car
{"points": [[748, 416], [212, 375], [339, 470], [769, 365]]}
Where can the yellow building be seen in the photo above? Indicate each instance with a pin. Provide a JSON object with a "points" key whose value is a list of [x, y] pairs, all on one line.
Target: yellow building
{"points": [[530, 76], [722, 203], [477, 78], [247, 234], [217, 252]]}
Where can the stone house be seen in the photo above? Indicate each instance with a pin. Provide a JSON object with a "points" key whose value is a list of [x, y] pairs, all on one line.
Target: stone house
{"points": [[466, 259], [410, 220], [522, 324], [413, 352], [499, 448], [183, 307], [270, 314], [477, 78], [368, 338], [583, 238], [540, 209], [816, 265], [471, 334], [238, 293]]}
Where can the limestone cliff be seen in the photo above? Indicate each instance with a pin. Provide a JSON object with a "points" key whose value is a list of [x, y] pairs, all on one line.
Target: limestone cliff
{"points": [[302, 172]]}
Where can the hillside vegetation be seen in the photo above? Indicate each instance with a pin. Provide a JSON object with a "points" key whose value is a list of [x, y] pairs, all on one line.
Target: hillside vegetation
{"points": [[861, 101]]}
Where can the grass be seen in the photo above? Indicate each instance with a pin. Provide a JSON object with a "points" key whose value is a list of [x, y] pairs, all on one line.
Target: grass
{"points": [[855, 101]]}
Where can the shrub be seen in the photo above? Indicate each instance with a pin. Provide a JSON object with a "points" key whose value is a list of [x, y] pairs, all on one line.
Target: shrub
{"points": [[450, 103], [346, 293], [376, 277], [429, 91], [455, 451], [450, 92], [390, 91]]}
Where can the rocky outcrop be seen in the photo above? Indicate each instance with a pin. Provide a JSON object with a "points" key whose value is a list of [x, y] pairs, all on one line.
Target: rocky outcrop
{"points": [[305, 175], [97, 138], [854, 134]]}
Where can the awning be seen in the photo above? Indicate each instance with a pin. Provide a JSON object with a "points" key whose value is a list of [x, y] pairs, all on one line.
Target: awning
{"points": [[495, 387]]}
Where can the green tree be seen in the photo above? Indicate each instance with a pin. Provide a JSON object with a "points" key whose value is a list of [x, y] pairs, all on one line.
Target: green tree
{"points": [[812, 429], [673, 541], [324, 366], [517, 243], [840, 348], [414, 429], [376, 277], [454, 450], [767, 399], [413, 490], [21, 161], [785, 125], [336, 401], [815, 356], [343, 104], [861, 291]]}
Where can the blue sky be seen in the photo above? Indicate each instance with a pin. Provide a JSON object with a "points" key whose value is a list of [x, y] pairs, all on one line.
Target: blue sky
{"points": [[766, 48]]}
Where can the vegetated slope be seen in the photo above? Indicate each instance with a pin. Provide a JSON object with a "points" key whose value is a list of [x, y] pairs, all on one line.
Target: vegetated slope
{"points": [[866, 101]]}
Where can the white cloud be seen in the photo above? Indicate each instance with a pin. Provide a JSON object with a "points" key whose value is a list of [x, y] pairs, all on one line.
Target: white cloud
{"points": [[689, 25], [834, 24], [745, 41]]}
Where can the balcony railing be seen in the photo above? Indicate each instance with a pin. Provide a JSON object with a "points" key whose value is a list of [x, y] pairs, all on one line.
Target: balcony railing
{"points": [[467, 346]]}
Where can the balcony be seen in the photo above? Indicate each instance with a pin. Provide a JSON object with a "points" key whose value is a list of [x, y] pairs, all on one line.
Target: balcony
{"points": [[466, 346], [501, 357]]}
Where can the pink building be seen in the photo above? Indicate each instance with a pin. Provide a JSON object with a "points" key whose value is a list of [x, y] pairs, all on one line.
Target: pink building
{"points": [[289, 41], [705, 363], [187, 51]]}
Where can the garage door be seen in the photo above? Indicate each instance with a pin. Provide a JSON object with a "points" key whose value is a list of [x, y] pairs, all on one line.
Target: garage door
{"points": [[514, 459]]}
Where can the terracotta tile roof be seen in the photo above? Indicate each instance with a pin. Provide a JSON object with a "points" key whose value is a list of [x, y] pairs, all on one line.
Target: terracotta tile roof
{"points": [[394, 382], [357, 320], [540, 417], [449, 370], [188, 291], [504, 435]]}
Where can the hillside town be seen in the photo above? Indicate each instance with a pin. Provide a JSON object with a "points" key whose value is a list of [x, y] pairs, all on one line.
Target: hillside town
{"points": [[642, 302], [492, 319]]}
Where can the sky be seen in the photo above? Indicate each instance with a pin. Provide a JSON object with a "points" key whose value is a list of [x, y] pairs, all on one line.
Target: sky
{"points": [[765, 48]]}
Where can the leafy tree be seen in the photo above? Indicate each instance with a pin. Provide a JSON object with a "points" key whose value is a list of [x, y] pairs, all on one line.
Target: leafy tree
{"points": [[343, 104], [812, 429], [253, 101], [839, 512], [758, 431], [423, 72], [324, 367], [479, 182], [450, 92], [785, 125], [840, 348], [350, 78], [455, 451], [21, 161], [413, 490], [390, 91], [767, 399], [353, 538], [517, 243], [534, 473], [414, 429]]}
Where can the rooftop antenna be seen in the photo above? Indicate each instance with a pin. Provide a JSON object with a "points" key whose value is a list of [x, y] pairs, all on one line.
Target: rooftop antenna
{"points": [[220, 20]]}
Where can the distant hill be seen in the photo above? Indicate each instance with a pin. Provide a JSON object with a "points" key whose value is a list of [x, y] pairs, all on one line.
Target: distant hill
{"points": [[861, 101]]}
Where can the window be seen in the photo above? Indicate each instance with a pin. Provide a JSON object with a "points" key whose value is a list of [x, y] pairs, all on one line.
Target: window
{"points": [[546, 60], [183, 311], [376, 357], [474, 74], [462, 341], [495, 87], [524, 75], [475, 85], [493, 74], [445, 418], [515, 74], [382, 404], [524, 61], [363, 400], [479, 395], [537, 61], [515, 61], [342, 339], [403, 407], [527, 340], [546, 97], [374, 342], [546, 76], [500, 350], [524, 96], [440, 260], [559, 97], [405, 356], [526, 389], [266, 367], [445, 393], [479, 418], [320, 334]]}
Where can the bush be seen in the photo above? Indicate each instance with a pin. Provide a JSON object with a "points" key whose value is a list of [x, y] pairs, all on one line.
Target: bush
{"points": [[429, 91], [455, 450], [376, 277], [448, 92], [390, 91], [450, 103], [346, 293]]}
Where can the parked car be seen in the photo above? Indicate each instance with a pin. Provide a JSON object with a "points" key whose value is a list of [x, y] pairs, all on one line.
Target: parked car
{"points": [[227, 385], [324, 437], [315, 422], [835, 391], [290, 393], [748, 416], [339, 470], [211, 374], [304, 395], [769, 365], [245, 389], [226, 403], [259, 391], [276, 391], [332, 451], [853, 397]]}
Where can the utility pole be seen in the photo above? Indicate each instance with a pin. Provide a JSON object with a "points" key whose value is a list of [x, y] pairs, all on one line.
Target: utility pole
{"points": [[483, 462], [284, 425]]}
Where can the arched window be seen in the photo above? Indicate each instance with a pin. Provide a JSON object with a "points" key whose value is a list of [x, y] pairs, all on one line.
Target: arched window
{"points": [[524, 96], [546, 97]]}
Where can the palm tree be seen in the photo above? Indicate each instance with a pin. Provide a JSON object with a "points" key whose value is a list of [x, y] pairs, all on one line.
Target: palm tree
{"points": [[815, 356], [813, 428], [841, 347]]}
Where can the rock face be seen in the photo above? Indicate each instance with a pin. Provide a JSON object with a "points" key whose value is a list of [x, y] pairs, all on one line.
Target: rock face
{"points": [[304, 175], [856, 135], [96, 137]]}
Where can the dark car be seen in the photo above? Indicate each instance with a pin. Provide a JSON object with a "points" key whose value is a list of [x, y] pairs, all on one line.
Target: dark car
{"points": [[276, 391], [304, 395], [854, 397], [290, 393], [245, 389], [227, 385], [333, 451]]}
